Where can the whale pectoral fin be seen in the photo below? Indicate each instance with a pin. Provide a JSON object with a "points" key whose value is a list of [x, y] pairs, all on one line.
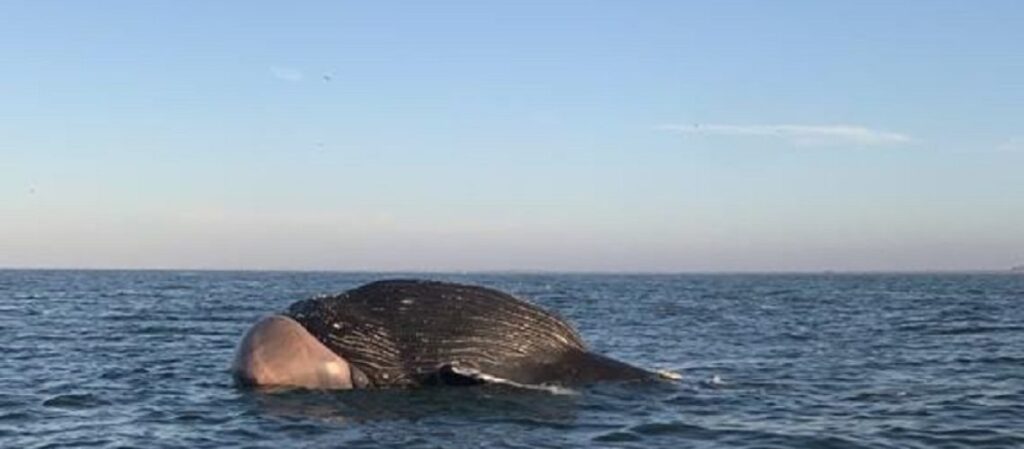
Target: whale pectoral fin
{"points": [[455, 375]]}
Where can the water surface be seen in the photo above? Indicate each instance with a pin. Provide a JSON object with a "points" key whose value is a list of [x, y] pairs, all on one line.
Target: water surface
{"points": [[139, 359]]}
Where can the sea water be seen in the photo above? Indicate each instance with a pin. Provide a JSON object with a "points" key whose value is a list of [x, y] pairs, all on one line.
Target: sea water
{"points": [[140, 359]]}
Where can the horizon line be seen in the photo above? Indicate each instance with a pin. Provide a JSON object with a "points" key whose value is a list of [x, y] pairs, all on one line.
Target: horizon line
{"points": [[512, 271]]}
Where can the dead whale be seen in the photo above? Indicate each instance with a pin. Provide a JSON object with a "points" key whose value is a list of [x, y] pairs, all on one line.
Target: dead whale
{"points": [[409, 333]]}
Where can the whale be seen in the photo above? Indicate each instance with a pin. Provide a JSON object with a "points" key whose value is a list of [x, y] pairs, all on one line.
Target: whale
{"points": [[408, 333]]}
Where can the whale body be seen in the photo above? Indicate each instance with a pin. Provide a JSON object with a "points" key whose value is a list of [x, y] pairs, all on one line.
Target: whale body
{"points": [[409, 333]]}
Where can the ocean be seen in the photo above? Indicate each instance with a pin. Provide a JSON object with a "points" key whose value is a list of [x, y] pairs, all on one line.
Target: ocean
{"points": [[120, 359]]}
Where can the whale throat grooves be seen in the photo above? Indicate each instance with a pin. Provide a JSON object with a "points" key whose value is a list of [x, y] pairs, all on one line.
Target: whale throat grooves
{"points": [[405, 333]]}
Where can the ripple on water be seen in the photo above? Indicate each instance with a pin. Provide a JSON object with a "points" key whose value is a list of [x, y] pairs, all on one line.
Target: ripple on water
{"points": [[15, 416], [669, 428], [75, 401], [973, 329], [618, 436]]}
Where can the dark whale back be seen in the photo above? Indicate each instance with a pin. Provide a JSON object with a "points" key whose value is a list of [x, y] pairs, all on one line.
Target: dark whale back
{"points": [[407, 332]]}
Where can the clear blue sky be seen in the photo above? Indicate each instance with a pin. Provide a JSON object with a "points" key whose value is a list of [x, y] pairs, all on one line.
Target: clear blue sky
{"points": [[544, 135]]}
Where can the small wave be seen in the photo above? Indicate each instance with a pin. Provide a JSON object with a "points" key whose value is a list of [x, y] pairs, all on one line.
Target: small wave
{"points": [[970, 330], [120, 373], [781, 292], [171, 287], [877, 396], [15, 416], [618, 436], [74, 401], [643, 431], [667, 428], [1010, 360], [714, 381], [122, 293], [959, 438]]}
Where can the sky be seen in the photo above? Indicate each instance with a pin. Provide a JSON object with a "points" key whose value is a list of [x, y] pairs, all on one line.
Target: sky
{"points": [[662, 136]]}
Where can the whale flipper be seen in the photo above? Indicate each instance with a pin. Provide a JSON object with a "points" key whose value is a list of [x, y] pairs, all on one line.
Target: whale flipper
{"points": [[452, 375]]}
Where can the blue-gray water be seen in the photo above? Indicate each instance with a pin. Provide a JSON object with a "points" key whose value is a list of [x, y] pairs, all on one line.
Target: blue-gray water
{"points": [[138, 359]]}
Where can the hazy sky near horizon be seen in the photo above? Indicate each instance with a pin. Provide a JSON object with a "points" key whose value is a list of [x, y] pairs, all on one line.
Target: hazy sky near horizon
{"points": [[554, 135]]}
